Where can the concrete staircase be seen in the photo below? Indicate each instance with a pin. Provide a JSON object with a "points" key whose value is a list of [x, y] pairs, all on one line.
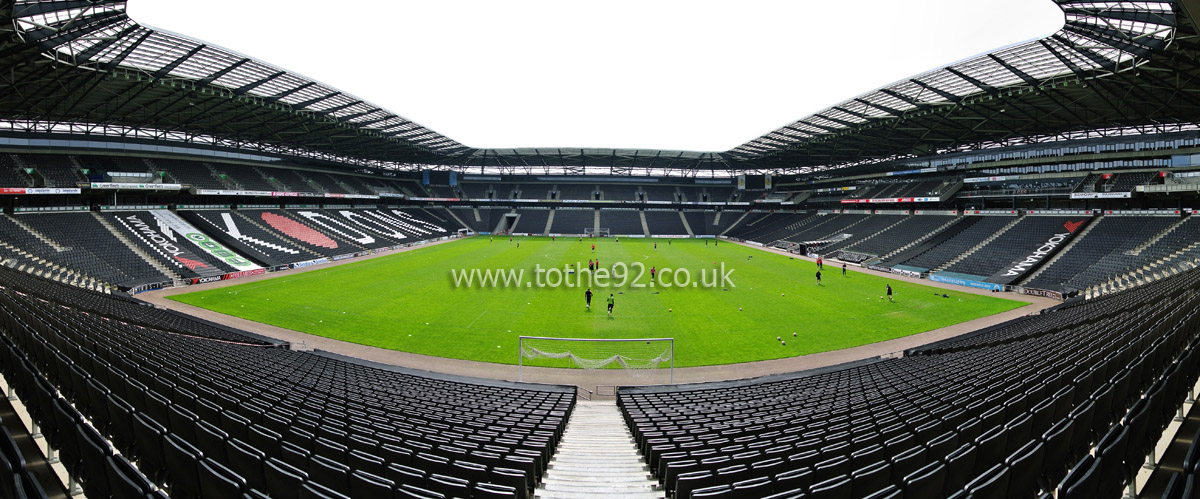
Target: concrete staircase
{"points": [[686, 225], [975, 248], [41, 237], [596, 221], [549, 221], [222, 177], [597, 457], [645, 226], [271, 180]]}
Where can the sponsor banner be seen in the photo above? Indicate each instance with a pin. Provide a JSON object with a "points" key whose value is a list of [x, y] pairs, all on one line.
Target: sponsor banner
{"points": [[891, 200], [669, 236], [966, 282], [1000, 178], [390, 195], [129, 186], [1039, 292], [174, 222], [520, 233], [1101, 195], [445, 199], [350, 196], [243, 273], [149, 287], [40, 190], [343, 257], [657, 202], [906, 273], [206, 280], [1054, 242], [278, 268], [634, 236]]}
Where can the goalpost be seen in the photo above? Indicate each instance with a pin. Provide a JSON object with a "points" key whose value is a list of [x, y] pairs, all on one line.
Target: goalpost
{"points": [[642, 359], [595, 232]]}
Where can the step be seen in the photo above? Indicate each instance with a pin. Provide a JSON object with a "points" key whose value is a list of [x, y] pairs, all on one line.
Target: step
{"points": [[580, 476], [591, 495], [595, 487]]}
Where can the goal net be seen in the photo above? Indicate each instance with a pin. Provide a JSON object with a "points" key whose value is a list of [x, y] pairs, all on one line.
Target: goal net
{"points": [[595, 232], [615, 361]]}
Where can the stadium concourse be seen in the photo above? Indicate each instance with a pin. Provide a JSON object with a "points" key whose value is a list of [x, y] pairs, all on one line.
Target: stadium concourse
{"points": [[136, 162]]}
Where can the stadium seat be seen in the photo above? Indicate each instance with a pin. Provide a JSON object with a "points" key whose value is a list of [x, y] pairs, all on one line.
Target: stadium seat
{"points": [[1082, 481], [218, 481]]}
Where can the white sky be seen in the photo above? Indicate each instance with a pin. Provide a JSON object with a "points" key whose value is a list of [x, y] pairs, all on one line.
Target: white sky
{"points": [[658, 74]]}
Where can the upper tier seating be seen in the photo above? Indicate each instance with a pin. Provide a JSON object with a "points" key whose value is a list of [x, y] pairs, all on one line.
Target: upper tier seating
{"points": [[57, 170], [659, 193], [1025, 402], [11, 174], [204, 418], [190, 173], [567, 191]]}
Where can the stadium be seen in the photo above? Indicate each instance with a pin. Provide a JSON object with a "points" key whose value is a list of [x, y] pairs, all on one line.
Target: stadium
{"points": [[220, 278]]}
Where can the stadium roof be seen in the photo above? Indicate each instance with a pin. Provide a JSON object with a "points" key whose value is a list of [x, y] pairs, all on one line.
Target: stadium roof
{"points": [[85, 67]]}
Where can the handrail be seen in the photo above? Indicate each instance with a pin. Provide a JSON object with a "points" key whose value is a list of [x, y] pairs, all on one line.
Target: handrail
{"points": [[581, 395]]}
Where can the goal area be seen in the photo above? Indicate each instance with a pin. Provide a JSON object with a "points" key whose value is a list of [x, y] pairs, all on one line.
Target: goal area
{"points": [[638, 361], [593, 232]]}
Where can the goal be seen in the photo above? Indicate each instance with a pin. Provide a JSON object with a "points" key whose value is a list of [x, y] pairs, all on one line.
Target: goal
{"points": [[595, 232], [623, 361]]}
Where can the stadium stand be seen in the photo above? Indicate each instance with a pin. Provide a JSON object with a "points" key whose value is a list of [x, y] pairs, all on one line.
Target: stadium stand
{"points": [[1023, 238], [92, 248], [574, 191], [533, 221], [699, 221], [665, 223], [899, 234], [659, 193], [947, 419], [256, 243], [573, 220], [1110, 237], [472, 190], [11, 174], [55, 170], [621, 192], [967, 237], [190, 173], [165, 245], [621, 221], [1126, 182], [167, 402]]}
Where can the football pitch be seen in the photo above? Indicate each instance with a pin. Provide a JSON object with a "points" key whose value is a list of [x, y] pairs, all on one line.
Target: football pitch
{"points": [[412, 302]]}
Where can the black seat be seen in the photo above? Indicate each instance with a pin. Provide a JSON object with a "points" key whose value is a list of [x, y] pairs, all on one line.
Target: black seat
{"points": [[685, 483], [94, 450], [753, 488], [992, 484], [991, 445], [491, 490], [1083, 481], [329, 473], [283, 480], [833, 488], [798, 479], [363, 484], [124, 479], [714, 492], [960, 466], [313, 490], [1111, 450], [248, 461], [182, 462], [1026, 470], [218, 481], [871, 478], [928, 481], [448, 485]]}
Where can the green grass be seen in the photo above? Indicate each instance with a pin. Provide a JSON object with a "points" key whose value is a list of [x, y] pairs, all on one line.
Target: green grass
{"points": [[408, 302]]}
